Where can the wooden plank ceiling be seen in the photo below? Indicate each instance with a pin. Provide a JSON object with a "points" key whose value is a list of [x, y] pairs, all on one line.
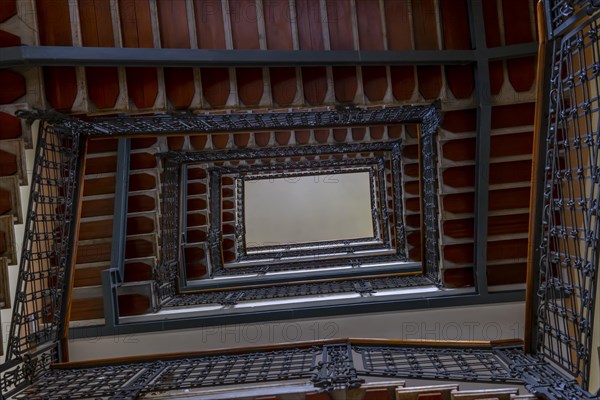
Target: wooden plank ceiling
{"points": [[299, 25]]}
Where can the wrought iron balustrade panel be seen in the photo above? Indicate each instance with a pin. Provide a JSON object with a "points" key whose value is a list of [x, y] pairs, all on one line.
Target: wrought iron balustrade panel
{"points": [[336, 369], [435, 363], [236, 369], [277, 120], [276, 152], [328, 366], [564, 14], [429, 202], [315, 263], [570, 228], [84, 383], [541, 378], [165, 271], [230, 297], [188, 122], [45, 259], [17, 374], [129, 381]]}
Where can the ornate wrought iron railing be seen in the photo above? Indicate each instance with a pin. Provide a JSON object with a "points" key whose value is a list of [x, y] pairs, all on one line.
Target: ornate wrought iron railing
{"points": [[327, 157], [165, 272], [561, 15], [565, 296], [182, 123], [19, 373], [39, 311], [429, 179], [328, 365], [568, 270], [365, 287], [168, 271]]}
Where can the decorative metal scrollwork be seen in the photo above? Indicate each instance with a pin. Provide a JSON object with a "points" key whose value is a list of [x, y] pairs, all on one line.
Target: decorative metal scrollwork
{"points": [[569, 233], [336, 370], [331, 366]]}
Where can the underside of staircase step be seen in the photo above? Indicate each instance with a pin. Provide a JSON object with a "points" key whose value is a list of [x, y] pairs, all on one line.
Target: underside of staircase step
{"points": [[10, 198], [103, 228], [12, 159], [94, 252], [5, 301], [135, 270], [91, 208], [142, 202], [138, 246], [8, 247], [101, 184], [87, 308], [89, 275], [134, 304], [102, 145], [142, 181], [90, 305], [93, 308], [139, 269]]}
